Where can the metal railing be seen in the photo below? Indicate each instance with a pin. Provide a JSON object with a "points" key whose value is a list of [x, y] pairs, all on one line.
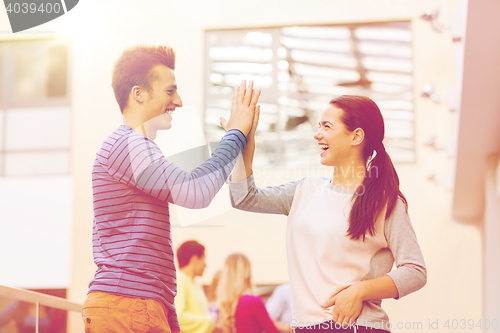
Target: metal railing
{"points": [[39, 299]]}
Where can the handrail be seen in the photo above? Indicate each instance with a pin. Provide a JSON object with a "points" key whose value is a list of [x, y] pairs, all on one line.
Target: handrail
{"points": [[42, 299]]}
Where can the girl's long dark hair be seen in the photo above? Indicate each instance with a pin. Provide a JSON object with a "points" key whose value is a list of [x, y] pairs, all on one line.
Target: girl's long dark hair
{"points": [[380, 186]]}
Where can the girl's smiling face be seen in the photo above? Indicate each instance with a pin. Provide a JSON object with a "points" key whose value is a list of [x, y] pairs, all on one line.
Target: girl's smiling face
{"points": [[333, 138]]}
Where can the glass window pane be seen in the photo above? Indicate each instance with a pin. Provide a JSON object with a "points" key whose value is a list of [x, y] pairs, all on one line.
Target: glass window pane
{"points": [[18, 316], [1, 141], [2, 73], [7, 309], [37, 164], [57, 71], [38, 128], [30, 73], [305, 67], [40, 69], [2, 117]]}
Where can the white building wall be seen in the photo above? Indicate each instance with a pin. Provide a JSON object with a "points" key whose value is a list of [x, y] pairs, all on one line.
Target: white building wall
{"points": [[102, 29]]}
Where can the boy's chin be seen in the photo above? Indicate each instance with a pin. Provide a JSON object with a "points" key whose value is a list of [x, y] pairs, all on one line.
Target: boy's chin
{"points": [[162, 126]]}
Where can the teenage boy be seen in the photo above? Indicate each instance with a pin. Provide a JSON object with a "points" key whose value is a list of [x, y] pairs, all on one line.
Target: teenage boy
{"points": [[134, 286]]}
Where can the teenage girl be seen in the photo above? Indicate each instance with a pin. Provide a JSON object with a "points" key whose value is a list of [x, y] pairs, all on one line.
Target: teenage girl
{"points": [[344, 233], [240, 311]]}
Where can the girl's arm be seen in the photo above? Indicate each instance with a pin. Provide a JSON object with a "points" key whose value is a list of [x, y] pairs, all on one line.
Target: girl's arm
{"points": [[244, 194], [243, 168], [409, 276], [349, 301], [271, 199]]}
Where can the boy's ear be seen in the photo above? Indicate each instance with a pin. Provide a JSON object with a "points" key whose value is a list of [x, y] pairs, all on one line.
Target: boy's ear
{"points": [[137, 95], [193, 258]]}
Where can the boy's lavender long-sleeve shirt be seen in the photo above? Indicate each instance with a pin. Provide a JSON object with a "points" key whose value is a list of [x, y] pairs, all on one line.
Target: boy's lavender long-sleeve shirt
{"points": [[132, 185]]}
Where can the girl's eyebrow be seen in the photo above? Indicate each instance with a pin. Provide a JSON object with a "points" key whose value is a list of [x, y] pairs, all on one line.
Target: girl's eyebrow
{"points": [[325, 122]]}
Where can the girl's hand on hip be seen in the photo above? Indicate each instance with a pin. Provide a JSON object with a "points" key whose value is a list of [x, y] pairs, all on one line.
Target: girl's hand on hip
{"points": [[348, 305]]}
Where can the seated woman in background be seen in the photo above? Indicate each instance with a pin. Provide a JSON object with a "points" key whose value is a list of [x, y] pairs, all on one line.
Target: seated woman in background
{"points": [[239, 310]]}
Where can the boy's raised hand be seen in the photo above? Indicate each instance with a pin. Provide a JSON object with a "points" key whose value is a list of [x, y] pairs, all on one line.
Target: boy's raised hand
{"points": [[242, 116]]}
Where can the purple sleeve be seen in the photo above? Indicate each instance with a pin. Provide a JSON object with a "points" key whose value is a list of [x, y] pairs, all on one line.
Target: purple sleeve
{"points": [[137, 161]]}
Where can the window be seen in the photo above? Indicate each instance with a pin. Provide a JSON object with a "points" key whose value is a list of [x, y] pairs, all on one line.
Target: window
{"points": [[34, 108], [299, 70]]}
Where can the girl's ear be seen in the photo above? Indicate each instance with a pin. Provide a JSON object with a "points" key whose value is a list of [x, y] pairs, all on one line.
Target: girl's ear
{"points": [[358, 137]]}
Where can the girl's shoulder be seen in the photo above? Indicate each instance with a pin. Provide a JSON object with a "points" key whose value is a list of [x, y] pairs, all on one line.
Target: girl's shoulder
{"points": [[251, 299], [400, 208]]}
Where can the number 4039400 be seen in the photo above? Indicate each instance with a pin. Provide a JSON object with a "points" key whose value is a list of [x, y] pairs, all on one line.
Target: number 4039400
{"points": [[25, 8], [470, 323]]}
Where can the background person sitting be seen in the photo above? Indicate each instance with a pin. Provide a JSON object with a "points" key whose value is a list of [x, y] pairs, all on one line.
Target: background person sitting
{"points": [[239, 310], [279, 307], [191, 303]]}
